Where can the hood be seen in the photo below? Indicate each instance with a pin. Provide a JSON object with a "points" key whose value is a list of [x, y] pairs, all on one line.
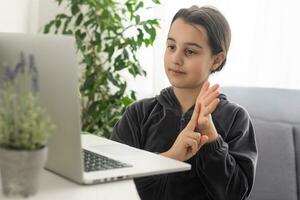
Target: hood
{"points": [[168, 99]]}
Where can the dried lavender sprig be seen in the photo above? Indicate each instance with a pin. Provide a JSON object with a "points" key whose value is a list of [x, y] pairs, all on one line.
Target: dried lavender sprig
{"points": [[11, 74], [34, 74]]}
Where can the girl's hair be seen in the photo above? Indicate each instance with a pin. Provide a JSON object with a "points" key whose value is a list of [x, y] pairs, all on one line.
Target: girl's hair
{"points": [[217, 27]]}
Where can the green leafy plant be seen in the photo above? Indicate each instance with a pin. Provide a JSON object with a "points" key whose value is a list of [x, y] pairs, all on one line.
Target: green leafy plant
{"points": [[108, 35], [24, 124]]}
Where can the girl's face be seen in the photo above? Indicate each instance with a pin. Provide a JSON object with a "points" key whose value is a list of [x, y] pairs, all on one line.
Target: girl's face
{"points": [[188, 58]]}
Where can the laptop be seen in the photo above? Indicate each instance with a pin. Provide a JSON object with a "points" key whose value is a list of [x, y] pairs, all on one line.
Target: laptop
{"points": [[71, 153]]}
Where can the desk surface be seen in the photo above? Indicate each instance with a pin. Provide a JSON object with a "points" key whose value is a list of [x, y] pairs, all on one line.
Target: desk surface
{"points": [[53, 186]]}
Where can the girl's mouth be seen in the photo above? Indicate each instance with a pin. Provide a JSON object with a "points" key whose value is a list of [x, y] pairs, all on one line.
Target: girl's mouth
{"points": [[176, 72]]}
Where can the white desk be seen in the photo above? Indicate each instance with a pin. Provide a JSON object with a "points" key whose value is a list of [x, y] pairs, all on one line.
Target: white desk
{"points": [[54, 187]]}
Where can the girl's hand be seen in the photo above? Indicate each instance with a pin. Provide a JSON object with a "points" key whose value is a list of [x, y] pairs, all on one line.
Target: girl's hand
{"points": [[188, 142], [200, 128], [207, 101]]}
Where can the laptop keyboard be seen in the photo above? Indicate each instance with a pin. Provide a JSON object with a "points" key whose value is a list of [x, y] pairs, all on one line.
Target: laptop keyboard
{"points": [[96, 162]]}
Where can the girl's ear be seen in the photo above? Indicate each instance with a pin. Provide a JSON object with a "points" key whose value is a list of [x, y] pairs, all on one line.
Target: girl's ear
{"points": [[218, 60]]}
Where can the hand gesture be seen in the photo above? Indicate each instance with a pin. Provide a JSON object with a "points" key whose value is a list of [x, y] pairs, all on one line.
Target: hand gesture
{"points": [[188, 142], [207, 101]]}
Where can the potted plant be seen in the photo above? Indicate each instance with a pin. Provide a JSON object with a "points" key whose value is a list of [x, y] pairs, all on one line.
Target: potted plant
{"points": [[108, 36], [24, 129]]}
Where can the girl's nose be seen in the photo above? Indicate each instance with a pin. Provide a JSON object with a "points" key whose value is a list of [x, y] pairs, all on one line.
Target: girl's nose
{"points": [[177, 58]]}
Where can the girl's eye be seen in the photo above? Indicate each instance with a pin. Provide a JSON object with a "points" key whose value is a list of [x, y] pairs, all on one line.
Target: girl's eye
{"points": [[171, 47], [189, 52]]}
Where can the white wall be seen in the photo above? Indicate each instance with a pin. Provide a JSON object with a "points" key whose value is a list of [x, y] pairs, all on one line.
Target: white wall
{"points": [[14, 16], [26, 16], [264, 47], [263, 52], [47, 10]]}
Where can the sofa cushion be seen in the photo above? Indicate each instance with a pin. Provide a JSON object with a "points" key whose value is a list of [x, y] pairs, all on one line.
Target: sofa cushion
{"points": [[297, 149], [272, 104], [276, 170]]}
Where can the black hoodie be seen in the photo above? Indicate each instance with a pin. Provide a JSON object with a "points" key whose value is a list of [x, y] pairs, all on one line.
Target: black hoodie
{"points": [[223, 169]]}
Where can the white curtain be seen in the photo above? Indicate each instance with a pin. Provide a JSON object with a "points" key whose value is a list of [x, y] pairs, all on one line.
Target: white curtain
{"points": [[264, 47], [18, 16]]}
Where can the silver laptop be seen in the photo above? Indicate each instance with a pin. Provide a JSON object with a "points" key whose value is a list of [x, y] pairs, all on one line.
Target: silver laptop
{"points": [[55, 59]]}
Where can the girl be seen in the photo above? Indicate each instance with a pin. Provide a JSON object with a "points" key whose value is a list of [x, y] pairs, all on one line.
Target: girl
{"points": [[190, 121]]}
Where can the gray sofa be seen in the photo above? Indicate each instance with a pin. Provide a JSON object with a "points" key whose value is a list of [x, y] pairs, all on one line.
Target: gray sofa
{"points": [[276, 118]]}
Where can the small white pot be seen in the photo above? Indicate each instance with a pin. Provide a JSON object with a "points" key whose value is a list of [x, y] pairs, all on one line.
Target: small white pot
{"points": [[20, 170]]}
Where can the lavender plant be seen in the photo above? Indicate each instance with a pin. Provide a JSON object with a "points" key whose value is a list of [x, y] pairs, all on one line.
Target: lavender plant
{"points": [[24, 124]]}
